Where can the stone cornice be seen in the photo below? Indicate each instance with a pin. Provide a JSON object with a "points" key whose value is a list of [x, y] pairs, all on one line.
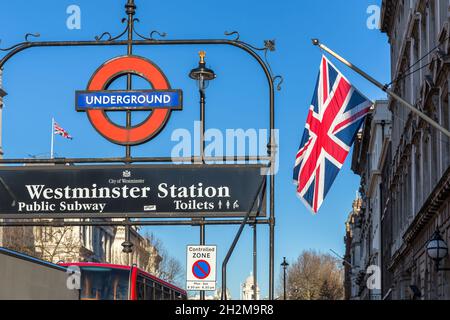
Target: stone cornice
{"points": [[397, 256]]}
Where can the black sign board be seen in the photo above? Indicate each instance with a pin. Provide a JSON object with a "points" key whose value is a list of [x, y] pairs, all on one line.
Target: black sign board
{"points": [[132, 191]]}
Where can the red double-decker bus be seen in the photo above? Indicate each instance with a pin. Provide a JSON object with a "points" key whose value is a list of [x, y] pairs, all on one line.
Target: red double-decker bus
{"points": [[100, 281]]}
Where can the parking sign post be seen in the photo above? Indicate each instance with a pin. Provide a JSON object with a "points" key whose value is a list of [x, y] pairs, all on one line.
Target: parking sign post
{"points": [[201, 268]]}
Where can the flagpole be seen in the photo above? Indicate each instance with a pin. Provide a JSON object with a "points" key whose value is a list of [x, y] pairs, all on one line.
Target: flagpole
{"points": [[53, 139], [385, 88]]}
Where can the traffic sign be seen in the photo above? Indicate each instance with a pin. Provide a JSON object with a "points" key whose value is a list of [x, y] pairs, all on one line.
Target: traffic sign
{"points": [[201, 268]]}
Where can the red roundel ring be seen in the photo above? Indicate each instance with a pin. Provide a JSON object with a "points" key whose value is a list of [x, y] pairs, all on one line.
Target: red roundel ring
{"points": [[113, 69]]}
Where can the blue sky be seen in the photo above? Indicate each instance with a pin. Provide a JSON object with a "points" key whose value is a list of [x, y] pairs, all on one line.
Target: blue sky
{"points": [[41, 84]]}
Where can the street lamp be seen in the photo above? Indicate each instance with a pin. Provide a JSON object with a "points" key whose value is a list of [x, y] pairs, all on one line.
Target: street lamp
{"points": [[127, 244], [437, 249], [202, 75], [284, 264]]}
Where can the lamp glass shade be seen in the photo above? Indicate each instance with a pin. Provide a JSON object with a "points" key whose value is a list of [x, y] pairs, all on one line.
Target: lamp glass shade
{"points": [[437, 249], [202, 83]]}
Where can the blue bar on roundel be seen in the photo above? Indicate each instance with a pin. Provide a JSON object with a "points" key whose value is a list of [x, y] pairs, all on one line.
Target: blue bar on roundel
{"points": [[126, 100]]}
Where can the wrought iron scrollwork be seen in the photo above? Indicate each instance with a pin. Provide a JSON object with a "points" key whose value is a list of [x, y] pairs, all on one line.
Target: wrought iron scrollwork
{"points": [[233, 33], [151, 37], [278, 80], [27, 40], [35, 35], [109, 35], [161, 34], [269, 46]]}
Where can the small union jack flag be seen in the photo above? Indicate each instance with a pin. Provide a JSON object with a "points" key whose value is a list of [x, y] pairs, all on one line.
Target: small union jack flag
{"points": [[335, 116], [57, 129]]}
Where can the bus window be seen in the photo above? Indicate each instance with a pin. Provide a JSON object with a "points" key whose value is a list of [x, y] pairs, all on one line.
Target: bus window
{"points": [[102, 283], [158, 292], [167, 294], [140, 289], [149, 290]]}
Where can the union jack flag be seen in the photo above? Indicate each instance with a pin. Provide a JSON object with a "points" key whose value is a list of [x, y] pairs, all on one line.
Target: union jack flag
{"points": [[336, 113], [57, 129]]}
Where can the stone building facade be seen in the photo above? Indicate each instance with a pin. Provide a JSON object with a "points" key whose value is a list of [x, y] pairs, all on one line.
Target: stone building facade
{"points": [[83, 243], [364, 223], [415, 176], [352, 255], [144, 255], [248, 289]]}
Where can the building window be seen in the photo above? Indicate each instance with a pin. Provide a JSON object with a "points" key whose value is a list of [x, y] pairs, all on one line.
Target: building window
{"points": [[406, 194], [418, 175], [443, 14], [432, 24], [426, 165], [435, 156], [445, 141], [423, 39]]}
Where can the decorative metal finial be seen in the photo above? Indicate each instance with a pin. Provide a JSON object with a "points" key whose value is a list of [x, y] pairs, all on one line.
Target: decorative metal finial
{"points": [[202, 55], [202, 72], [130, 7]]}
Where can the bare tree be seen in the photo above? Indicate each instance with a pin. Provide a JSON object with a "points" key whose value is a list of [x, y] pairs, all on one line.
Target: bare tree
{"points": [[315, 276], [20, 239], [169, 269], [57, 243], [48, 243]]}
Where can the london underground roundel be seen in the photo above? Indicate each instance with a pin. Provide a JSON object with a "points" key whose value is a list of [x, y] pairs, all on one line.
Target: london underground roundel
{"points": [[97, 99]]}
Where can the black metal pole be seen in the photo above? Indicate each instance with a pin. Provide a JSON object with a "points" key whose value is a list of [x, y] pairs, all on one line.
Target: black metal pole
{"points": [[284, 284], [127, 244], [284, 265], [18, 222], [261, 189], [130, 10], [255, 263], [127, 239], [202, 243], [192, 159], [272, 226], [202, 124]]}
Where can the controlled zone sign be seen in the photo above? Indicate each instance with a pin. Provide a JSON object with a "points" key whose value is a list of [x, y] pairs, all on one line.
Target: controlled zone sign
{"points": [[201, 268]]}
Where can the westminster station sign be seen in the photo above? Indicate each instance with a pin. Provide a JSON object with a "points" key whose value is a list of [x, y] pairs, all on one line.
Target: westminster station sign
{"points": [[133, 191]]}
